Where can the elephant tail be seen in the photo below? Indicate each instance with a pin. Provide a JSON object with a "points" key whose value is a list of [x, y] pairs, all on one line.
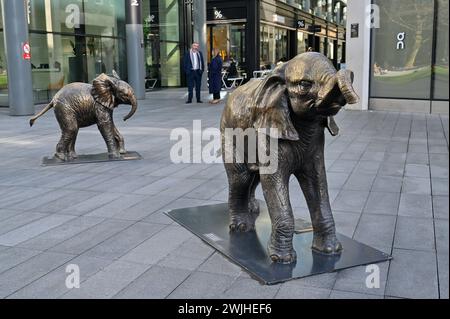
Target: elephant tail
{"points": [[45, 110]]}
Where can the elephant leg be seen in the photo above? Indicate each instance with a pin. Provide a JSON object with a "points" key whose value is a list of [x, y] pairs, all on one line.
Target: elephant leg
{"points": [[313, 182], [241, 181], [68, 135], [72, 154], [253, 205], [119, 141], [276, 193], [106, 128]]}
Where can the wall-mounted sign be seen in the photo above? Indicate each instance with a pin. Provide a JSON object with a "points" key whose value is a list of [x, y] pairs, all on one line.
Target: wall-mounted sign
{"points": [[315, 28], [401, 41], [354, 30], [301, 24], [219, 14], [26, 51], [279, 19]]}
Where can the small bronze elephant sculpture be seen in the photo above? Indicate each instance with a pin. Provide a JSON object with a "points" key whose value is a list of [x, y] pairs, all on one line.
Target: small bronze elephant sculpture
{"points": [[79, 105], [299, 99]]}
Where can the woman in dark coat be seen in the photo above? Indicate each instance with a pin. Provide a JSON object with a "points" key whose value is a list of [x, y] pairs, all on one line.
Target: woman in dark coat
{"points": [[215, 76]]}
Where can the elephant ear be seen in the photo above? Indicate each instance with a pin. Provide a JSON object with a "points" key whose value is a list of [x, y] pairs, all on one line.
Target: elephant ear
{"points": [[272, 108], [103, 91]]}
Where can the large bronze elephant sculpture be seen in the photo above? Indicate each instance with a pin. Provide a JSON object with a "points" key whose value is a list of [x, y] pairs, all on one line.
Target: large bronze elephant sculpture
{"points": [[299, 99], [79, 105]]}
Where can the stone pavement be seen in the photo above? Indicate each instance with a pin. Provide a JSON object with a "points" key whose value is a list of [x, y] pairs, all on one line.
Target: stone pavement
{"points": [[388, 176]]}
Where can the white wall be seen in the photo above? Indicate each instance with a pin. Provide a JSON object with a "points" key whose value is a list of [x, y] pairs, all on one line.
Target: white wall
{"points": [[358, 51]]}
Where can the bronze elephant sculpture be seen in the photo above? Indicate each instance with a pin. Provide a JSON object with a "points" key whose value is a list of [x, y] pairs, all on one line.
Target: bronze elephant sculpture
{"points": [[299, 99], [79, 105]]}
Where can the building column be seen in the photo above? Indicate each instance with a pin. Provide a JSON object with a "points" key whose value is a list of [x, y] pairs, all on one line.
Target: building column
{"points": [[135, 47], [358, 49], [253, 37], [199, 19], [20, 86]]}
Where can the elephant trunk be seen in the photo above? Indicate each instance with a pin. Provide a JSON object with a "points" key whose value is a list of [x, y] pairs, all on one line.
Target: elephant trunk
{"points": [[345, 82], [134, 105]]}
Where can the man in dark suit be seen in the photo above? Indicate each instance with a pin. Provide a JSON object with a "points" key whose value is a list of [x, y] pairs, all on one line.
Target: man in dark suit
{"points": [[194, 66]]}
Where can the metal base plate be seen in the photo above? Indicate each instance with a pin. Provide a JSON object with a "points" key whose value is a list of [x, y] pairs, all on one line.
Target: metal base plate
{"points": [[248, 250], [91, 158]]}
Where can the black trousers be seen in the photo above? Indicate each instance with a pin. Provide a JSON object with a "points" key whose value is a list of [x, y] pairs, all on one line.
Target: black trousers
{"points": [[194, 79], [216, 96]]}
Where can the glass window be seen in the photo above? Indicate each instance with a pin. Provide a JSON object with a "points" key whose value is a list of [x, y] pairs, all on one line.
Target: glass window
{"points": [[401, 49], [302, 42], [104, 17], [162, 41], [441, 67], [274, 45], [3, 69]]}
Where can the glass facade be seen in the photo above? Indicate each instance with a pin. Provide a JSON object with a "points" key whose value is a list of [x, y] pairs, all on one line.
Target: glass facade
{"points": [[75, 41], [410, 60], [230, 40], [274, 46], [3, 66], [163, 41]]}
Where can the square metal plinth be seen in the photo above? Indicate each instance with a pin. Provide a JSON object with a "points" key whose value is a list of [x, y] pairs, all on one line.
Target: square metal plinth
{"points": [[91, 158], [248, 250]]}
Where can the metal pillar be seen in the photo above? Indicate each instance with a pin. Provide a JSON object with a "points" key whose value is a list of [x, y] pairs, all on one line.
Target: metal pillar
{"points": [[135, 47], [20, 86], [199, 17]]}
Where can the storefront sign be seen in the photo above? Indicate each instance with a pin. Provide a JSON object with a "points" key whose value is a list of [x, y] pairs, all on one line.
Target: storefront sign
{"points": [[26, 51], [315, 28], [279, 19], [354, 31], [301, 24], [216, 14]]}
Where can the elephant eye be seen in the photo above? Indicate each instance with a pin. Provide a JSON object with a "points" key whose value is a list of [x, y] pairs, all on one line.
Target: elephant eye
{"points": [[305, 84]]}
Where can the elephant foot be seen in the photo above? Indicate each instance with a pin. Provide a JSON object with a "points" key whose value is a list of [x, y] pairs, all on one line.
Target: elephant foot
{"points": [[122, 151], [282, 255], [253, 207], [243, 222], [114, 155], [72, 156], [61, 156], [326, 244]]}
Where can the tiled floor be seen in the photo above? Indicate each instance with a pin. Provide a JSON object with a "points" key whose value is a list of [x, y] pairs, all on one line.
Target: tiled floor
{"points": [[388, 179]]}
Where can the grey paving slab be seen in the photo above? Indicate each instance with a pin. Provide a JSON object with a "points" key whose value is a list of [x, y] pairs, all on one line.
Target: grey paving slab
{"points": [[382, 203], [415, 234], [218, 264], [91, 237], [343, 166], [351, 201], [294, 290], [355, 279], [346, 222], [19, 220], [8, 213], [416, 205], [61, 233], [413, 274], [441, 207], [416, 185], [439, 186], [417, 170], [390, 184], [29, 271], [376, 231], [33, 229], [10, 257], [120, 204], [156, 283], [245, 288], [359, 182], [108, 282], [443, 266], [121, 243], [202, 285], [336, 294], [53, 284], [392, 169], [159, 246], [90, 204], [441, 233], [64, 202]]}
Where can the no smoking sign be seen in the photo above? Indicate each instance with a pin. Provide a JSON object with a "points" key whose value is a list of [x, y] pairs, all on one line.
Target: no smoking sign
{"points": [[26, 51]]}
